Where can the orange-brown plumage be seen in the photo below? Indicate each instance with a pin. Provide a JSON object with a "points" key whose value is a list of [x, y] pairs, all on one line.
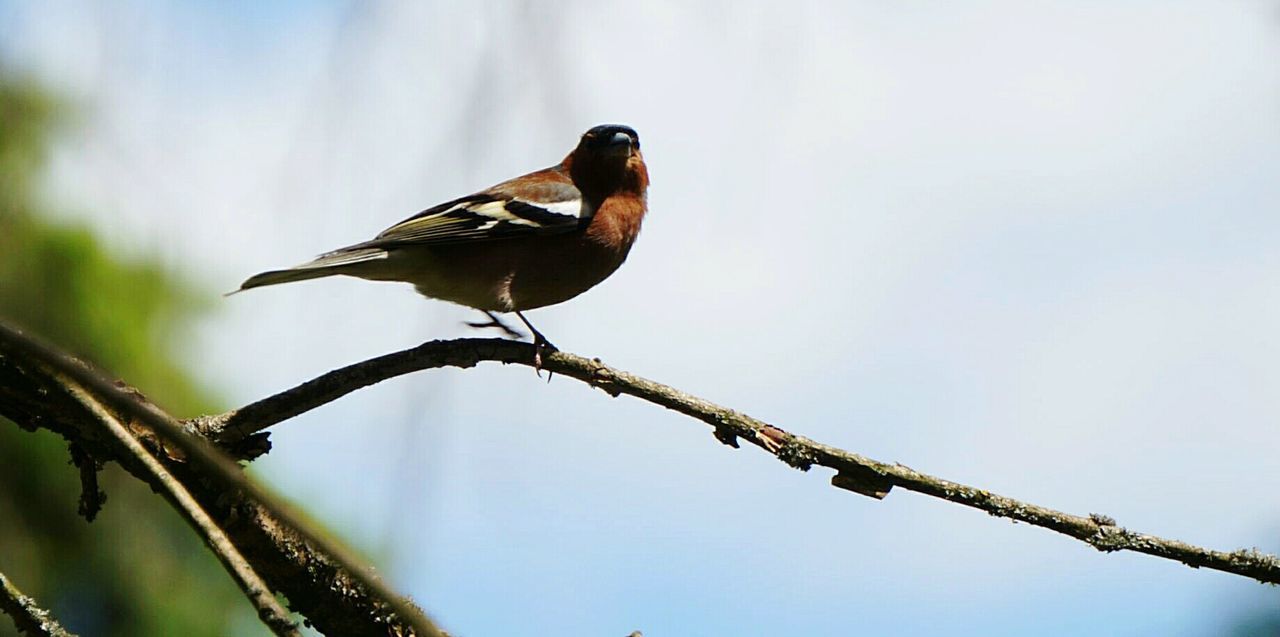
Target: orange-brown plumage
{"points": [[536, 240]]}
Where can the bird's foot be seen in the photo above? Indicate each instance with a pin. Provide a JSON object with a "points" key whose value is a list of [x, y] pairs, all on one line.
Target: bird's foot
{"points": [[540, 345], [496, 323]]}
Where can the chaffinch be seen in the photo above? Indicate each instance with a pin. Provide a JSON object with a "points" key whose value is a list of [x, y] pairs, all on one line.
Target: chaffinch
{"points": [[536, 240]]}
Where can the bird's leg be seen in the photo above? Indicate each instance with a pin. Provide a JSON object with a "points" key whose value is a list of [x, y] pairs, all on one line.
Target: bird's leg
{"points": [[540, 343], [496, 322]]}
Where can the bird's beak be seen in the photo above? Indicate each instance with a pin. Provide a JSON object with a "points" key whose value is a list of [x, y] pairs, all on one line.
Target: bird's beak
{"points": [[619, 144]]}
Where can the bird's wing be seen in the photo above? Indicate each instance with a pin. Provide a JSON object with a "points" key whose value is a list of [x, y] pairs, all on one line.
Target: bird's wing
{"points": [[545, 202]]}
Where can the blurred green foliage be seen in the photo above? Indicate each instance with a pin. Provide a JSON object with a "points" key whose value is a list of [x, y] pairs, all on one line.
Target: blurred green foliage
{"points": [[138, 569]]}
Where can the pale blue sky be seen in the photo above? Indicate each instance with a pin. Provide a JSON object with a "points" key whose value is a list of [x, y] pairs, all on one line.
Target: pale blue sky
{"points": [[1030, 246]]}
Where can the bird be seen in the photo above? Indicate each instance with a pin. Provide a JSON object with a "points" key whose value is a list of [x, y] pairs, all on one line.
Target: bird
{"points": [[529, 242]]}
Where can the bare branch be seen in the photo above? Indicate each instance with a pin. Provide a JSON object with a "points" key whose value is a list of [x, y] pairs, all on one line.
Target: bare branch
{"points": [[322, 582], [27, 616], [854, 472], [91, 495], [269, 609]]}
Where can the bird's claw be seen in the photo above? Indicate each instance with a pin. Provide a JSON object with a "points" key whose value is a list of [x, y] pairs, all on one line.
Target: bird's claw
{"points": [[540, 343], [495, 323]]}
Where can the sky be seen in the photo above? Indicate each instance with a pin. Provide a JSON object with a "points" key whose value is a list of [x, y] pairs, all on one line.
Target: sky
{"points": [[1030, 246]]}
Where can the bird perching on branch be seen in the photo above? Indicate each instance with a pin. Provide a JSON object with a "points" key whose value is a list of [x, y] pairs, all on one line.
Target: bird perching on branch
{"points": [[533, 241]]}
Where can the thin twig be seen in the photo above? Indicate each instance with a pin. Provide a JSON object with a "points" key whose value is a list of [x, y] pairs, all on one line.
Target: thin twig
{"points": [[854, 472], [226, 473], [91, 495], [269, 609], [27, 616]]}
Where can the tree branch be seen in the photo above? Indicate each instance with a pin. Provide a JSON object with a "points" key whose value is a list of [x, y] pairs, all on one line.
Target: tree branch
{"points": [[854, 472], [259, 594], [91, 495], [27, 616], [321, 581]]}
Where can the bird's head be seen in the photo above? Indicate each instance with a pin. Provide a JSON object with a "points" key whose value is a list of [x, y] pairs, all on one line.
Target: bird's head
{"points": [[608, 159], [610, 140]]}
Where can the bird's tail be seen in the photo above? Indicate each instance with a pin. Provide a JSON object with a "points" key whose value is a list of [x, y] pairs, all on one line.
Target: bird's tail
{"points": [[329, 264]]}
